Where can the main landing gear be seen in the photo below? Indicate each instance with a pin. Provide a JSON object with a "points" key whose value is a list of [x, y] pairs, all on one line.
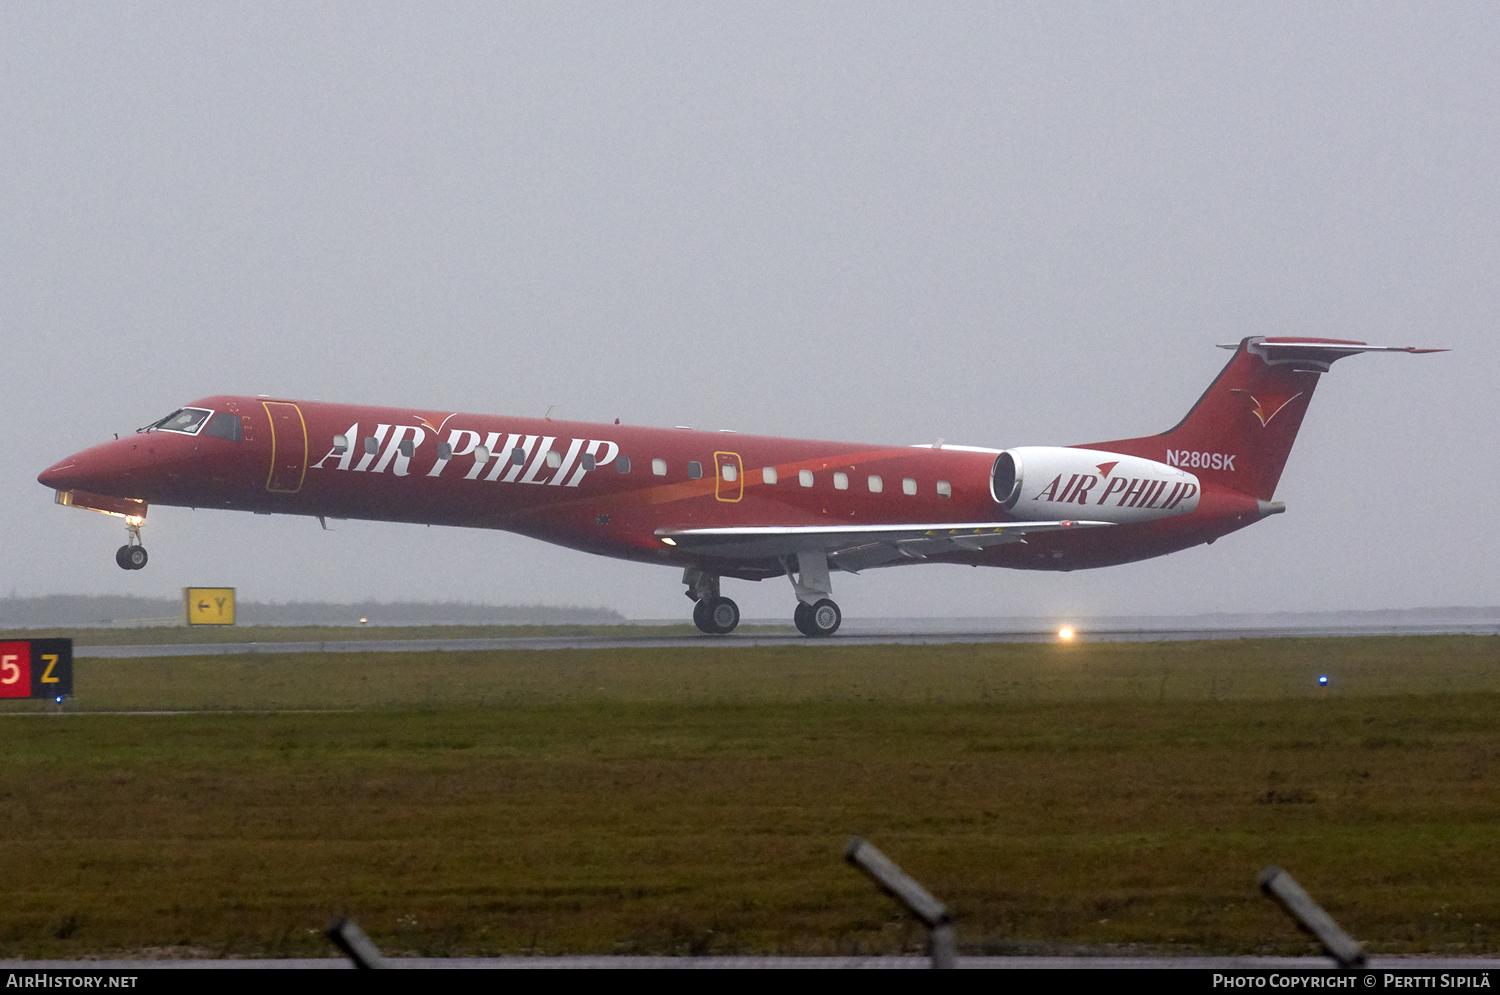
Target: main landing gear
{"points": [[821, 618], [716, 616], [817, 614], [132, 555], [712, 614]]}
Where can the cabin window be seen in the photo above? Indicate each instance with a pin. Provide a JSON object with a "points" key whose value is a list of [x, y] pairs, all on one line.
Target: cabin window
{"points": [[406, 448], [908, 486], [659, 467], [587, 460], [445, 451], [518, 457], [554, 458], [372, 445], [341, 444], [184, 420], [768, 474], [481, 454], [227, 426], [622, 464], [728, 472], [876, 484], [944, 489], [804, 477], [695, 469], [841, 481]]}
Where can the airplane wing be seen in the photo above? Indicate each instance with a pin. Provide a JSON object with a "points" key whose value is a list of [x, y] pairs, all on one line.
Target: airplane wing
{"points": [[858, 547]]}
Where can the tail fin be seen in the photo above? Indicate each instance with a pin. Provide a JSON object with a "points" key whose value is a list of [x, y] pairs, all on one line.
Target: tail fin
{"points": [[1241, 430]]}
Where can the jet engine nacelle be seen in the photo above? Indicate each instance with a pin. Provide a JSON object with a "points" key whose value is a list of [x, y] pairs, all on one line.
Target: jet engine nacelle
{"points": [[1047, 483]]}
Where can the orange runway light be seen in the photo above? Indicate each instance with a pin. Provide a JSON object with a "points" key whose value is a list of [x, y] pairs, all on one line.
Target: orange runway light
{"points": [[1065, 634]]}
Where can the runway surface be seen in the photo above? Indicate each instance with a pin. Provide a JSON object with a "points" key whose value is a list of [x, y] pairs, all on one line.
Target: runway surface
{"points": [[1405, 964], [854, 633]]}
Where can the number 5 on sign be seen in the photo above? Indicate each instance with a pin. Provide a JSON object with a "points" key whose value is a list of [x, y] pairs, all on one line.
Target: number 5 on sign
{"points": [[15, 670]]}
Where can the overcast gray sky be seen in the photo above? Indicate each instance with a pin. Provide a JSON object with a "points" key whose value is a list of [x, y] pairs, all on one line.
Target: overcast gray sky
{"points": [[1001, 224]]}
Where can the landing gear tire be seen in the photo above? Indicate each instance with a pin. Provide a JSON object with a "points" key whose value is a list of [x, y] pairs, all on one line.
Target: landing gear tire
{"points": [[120, 555], [820, 619], [131, 557], [716, 616], [723, 615]]}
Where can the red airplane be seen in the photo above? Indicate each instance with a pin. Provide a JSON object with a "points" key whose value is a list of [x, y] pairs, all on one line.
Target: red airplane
{"points": [[728, 505]]}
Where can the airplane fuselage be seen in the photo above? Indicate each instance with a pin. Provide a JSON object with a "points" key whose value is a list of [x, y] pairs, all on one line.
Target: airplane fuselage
{"points": [[533, 477], [722, 504]]}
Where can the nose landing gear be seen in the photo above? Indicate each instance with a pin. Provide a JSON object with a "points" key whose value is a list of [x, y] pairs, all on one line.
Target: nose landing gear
{"points": [[132, 555]]}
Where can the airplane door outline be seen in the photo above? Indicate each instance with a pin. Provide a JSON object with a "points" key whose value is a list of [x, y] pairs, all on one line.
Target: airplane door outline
{"points": [[288, 447], [724, 488]]}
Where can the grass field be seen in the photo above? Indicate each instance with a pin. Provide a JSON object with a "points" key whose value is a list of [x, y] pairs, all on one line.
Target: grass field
{"points": [[697, 800]]}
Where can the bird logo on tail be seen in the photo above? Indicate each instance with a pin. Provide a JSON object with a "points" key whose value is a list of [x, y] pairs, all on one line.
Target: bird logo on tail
{"points": [[1268, 408]]}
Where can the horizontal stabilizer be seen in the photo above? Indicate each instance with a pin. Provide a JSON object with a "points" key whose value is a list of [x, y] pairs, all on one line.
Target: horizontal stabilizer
{"points": [[1317, 354]]}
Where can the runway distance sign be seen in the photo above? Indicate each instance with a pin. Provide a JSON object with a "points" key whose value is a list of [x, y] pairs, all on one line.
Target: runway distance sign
{"points": [[208, 605], [36, 668]]}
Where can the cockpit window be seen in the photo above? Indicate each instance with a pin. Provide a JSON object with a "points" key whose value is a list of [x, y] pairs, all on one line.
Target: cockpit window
{"points": [[225, 426], [185, 420]]}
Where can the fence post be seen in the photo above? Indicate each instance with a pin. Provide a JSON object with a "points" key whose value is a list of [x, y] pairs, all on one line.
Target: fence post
{"points": [[905, 889], [1278, 884], [355, 944]]}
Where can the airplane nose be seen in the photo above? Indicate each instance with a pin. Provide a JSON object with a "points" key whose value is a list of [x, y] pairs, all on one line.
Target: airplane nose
{"points": [[94, 469], [59, 476]]}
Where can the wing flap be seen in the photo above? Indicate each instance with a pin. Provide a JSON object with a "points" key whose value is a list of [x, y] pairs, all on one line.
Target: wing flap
{"points": [[858, 547]]}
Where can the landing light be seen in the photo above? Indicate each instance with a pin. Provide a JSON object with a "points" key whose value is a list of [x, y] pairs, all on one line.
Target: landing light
{"points": [[669, 542], [1065, 634]]}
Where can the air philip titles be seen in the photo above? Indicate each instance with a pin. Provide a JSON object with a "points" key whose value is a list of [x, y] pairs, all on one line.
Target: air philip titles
{"points": [[519, 458]]}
